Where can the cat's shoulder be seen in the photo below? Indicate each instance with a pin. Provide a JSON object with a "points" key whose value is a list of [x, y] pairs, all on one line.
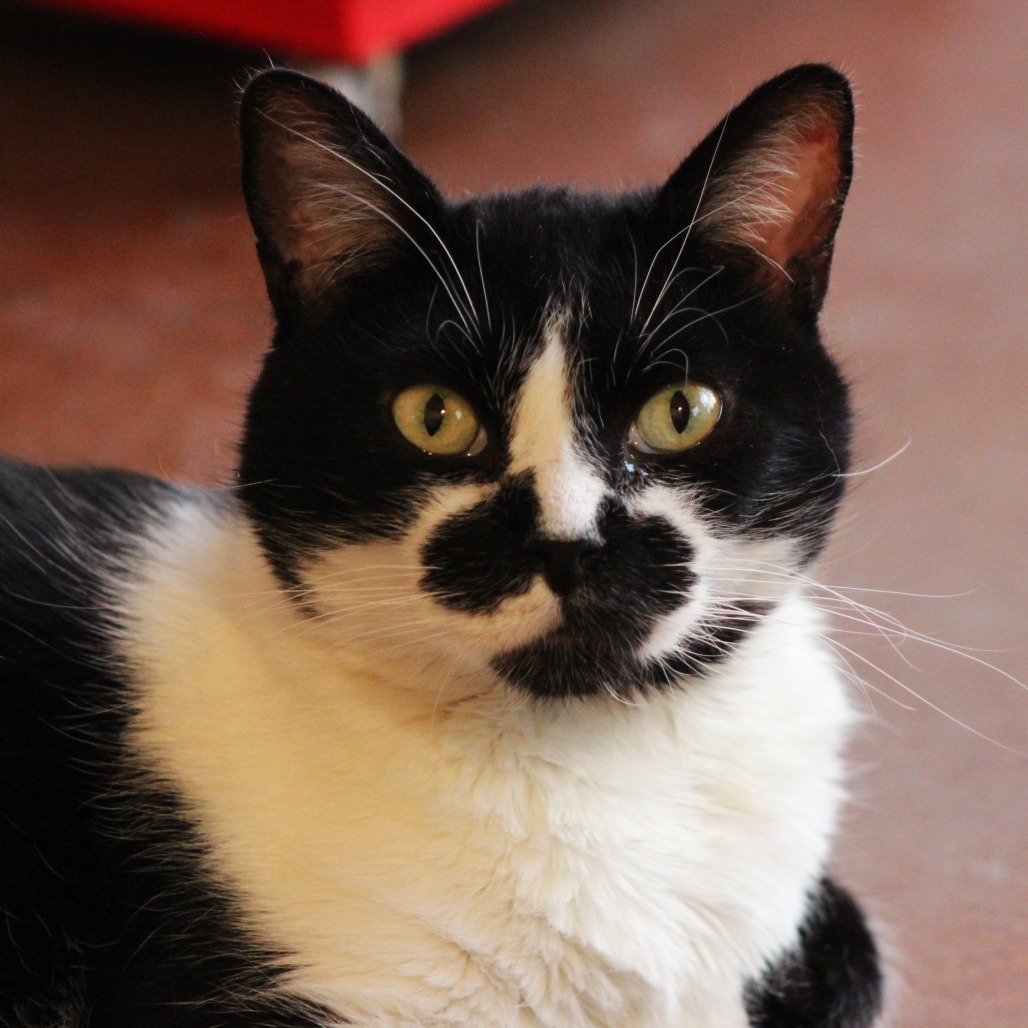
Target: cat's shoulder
{"points": [[41, 500], [68, 536], [61, 526]]}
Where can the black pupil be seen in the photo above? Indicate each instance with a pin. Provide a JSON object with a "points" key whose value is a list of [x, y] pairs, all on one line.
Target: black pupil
{"points": [[679, 411], [435, 409]]}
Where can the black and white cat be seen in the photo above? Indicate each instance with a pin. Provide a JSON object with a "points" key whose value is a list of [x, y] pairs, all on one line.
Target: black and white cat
{"points": [[489, 695]]}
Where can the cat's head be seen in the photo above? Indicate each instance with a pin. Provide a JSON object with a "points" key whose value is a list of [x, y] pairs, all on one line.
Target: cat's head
{"points": [[577, 443]]}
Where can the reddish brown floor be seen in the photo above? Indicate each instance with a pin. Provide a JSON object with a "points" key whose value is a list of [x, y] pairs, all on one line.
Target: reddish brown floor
{"points": [[132, 316]]}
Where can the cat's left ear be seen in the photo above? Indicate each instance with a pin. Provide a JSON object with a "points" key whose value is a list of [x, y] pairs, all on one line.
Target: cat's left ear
{"points": [[328, 194], [772, 179]]}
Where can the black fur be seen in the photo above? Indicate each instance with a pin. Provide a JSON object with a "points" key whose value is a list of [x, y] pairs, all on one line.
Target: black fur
{"points": [[776, 458], [830, 980]]}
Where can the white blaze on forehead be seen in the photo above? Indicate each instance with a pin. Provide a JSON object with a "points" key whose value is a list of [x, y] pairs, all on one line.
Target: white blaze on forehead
{"points": [[543, 442]]}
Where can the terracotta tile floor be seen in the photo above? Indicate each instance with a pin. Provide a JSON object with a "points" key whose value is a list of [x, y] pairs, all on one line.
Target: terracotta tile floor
{"points": [[132, 316]]}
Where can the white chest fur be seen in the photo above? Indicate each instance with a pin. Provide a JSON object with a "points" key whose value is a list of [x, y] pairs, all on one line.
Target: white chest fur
{"points": [[488, 861]]}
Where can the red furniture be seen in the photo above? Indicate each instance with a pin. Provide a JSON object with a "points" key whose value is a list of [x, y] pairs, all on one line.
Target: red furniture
{"points": [[355, 31]]}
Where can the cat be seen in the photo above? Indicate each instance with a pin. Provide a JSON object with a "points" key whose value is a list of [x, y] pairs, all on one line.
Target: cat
{"points": [[488, 694]]}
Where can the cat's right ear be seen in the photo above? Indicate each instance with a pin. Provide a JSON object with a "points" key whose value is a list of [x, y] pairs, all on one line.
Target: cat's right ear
{"points": [[328, 194]]}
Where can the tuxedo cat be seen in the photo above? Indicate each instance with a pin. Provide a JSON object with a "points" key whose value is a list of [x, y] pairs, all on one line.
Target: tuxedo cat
{"points": [[489, 694]]}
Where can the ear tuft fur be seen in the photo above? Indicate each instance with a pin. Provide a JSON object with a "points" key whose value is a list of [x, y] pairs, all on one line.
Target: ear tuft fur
{"points": [[773, 176], [327, 193]]}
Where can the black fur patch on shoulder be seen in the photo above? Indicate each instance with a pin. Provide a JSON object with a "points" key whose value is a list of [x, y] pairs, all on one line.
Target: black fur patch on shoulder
{"points": [[832, 978]]}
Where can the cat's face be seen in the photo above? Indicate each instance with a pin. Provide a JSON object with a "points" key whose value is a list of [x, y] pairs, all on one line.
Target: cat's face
{"points": [[580, 443]]}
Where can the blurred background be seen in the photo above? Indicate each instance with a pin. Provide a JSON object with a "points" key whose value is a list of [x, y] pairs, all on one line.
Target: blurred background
{"points": [[132, 318]]}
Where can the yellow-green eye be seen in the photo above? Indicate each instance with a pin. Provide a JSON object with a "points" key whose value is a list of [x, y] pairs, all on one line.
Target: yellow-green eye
{"points": [[438, 420], [676, 418]]}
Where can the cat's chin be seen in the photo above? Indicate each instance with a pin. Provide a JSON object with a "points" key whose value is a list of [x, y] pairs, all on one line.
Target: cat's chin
{"points": [[565, 663], [562, 665]]}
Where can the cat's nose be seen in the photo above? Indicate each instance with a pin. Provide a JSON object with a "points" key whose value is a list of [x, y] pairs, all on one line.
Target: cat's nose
{"points": [[563, 560]]}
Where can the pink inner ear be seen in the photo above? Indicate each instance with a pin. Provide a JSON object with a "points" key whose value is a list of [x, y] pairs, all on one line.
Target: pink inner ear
{"points": [[322, 212], [808, 194]]}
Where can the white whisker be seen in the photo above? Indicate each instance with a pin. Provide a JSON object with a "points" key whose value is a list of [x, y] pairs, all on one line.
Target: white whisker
{"points": [[680, 307], [381, 182], [685, 233], [481, 274], [458, 306], [853, 617], [881, 464]]}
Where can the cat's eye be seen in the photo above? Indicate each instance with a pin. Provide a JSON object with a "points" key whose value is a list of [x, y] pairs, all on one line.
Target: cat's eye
{"points": [[438, 421], [675, 419]]}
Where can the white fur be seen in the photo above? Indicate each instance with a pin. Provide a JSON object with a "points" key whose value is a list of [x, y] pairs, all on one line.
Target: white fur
{"points": [[429, 848], [433, 858], [544, 442]]}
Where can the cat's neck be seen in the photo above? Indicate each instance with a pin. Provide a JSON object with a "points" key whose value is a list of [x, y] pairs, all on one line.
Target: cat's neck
{"points": [[317, 773]]}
